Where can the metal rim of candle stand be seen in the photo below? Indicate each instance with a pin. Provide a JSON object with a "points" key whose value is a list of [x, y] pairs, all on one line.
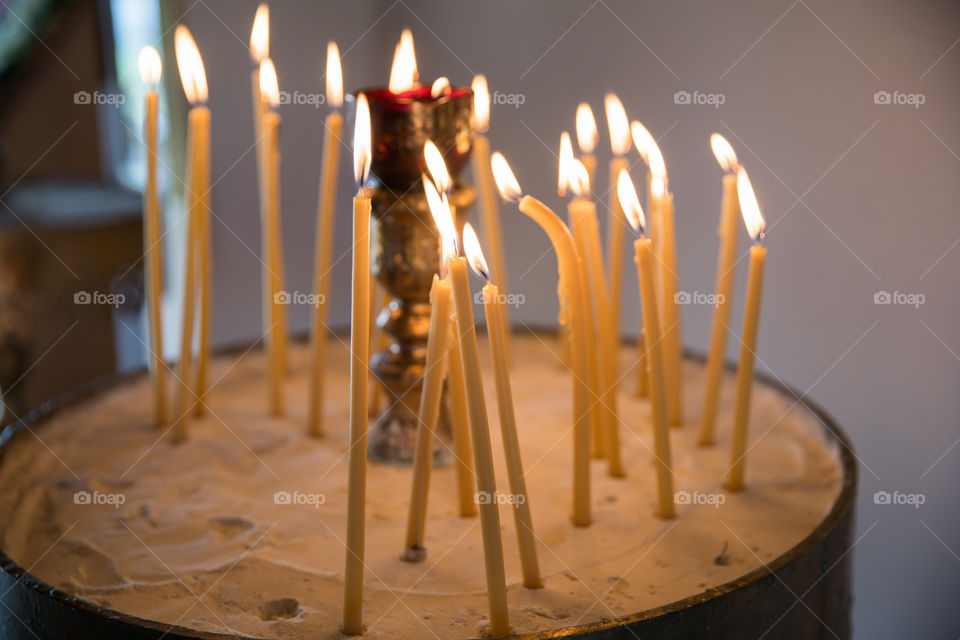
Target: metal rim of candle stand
{"points": [[48, 597]]}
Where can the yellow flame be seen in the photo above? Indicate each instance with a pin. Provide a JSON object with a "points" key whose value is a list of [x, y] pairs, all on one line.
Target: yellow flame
{"points": [[579, 180], [440, 87], [440, 211], [471, 247], [749, 207], [658, 186], [334, 76], [403, 72], [723, 152], [190, 64], [260, 34], [648, 148], [507, 183], [566, 160], [361, 142], [618, 124], [269, 89], [481, 103], [150, 66], [629, 202], [586, 128], [436, 166]]}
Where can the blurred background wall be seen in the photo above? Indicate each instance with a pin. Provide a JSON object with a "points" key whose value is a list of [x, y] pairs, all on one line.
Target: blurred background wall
{"points": [[860, 194]]}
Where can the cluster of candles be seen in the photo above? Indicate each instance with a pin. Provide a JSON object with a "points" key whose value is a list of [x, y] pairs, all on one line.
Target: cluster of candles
{"points": [[590, 292]]}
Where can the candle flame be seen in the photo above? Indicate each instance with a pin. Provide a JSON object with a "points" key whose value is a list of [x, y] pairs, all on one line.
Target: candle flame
{"points": [[481, 104], [629, 202], [440, 87], [190, 64], [586, 128], [749, 207], [440, 211], [471, 246], [260, 34], [150, 66], [269, 89], [618, 124], [723, 152], [658, 186], [507, 183], [579, 180], [334, 76], [361, 142], [403, 72], [648, 148], [437, 167], [566, 160]]}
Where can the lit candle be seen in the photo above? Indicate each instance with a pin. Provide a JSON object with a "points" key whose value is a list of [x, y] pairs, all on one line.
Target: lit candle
{"points": [[259, 52], [440, 87], [724, 290], [483, 182], [270, 225], [587, 137], [194, 82], [661, 204], [650, 152], [480, 430], [648, 296], [574, 295], [619, 128], [150, 69], [583, 223], [324, 240], [359, 374], [493, 307], [756, 227], [463, 449]]}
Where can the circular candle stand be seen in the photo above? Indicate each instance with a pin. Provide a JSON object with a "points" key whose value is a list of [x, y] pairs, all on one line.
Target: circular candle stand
{"points": [[799, 594], [406, 249]]}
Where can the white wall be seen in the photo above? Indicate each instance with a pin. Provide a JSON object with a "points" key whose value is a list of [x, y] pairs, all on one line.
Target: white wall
{"points": [[859, 198]]}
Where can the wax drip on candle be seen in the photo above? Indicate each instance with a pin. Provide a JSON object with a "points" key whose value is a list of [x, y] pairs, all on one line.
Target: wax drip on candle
{"points": [[587, 135], [750, 208], [617, 124], [334, 76]]}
